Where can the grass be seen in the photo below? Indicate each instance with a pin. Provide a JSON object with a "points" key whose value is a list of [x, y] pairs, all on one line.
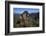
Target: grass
{"points": [[32, 22]]}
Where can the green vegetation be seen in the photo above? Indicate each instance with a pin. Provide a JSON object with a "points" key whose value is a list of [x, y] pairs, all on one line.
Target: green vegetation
{"points": [[31, 22]]}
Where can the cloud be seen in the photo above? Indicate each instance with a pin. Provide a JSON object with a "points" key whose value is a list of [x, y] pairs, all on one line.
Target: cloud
{"points": [[21, 10]]}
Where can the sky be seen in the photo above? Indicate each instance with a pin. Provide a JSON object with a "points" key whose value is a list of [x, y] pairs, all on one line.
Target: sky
{"points": [[21, 10]]}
